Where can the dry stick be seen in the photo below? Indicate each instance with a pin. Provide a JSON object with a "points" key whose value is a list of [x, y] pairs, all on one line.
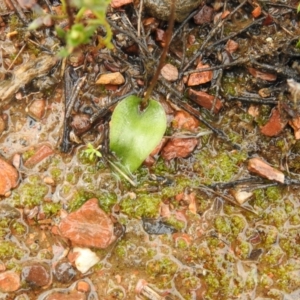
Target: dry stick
{"points": [[77, 87], [128, 34], [140, 18], [223, 66], [12, 63], [236, 33], [282, 70], [255, 100], [210, 35], [183, 23], [162, 57], [226, 198]]}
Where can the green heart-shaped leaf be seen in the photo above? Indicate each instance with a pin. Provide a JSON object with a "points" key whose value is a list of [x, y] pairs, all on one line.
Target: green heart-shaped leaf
{"points": [[134, 133]]}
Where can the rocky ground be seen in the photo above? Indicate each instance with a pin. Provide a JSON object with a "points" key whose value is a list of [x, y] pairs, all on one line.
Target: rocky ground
{"points": [[212, 213]]}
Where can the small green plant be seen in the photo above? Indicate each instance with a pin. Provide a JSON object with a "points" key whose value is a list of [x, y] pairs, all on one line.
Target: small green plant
{"points": [[91, 152], [82, 28]]}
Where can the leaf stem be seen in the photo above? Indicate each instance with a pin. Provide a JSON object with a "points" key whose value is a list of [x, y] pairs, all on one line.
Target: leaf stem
{"points": [[145, 100]]}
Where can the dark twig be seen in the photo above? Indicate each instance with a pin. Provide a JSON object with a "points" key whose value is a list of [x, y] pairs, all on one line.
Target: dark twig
{"points": [[255, 100], [223, 66], [140, 44], [178, 101]]}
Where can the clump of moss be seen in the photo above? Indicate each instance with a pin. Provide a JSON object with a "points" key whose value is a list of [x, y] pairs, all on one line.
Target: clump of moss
{"points": [[145, 205], [31, 193], [162, 266], [107, 201], [51, 209], [10, 250], [80, 197], [18, 228], [218, 168]]}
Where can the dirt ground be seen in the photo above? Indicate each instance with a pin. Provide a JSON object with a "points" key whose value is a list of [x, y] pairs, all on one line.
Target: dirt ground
{"points": [[213, 212]]}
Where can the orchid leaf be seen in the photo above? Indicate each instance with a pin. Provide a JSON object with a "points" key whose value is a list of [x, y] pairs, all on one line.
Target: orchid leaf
{"points": [[134, 133]]}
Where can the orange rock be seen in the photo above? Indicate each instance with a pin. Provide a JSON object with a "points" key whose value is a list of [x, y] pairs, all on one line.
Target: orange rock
{"points": [[205, 100], [202, 77], [275, 124], [8, 177], [9, 282], [115, 78], [262, 75], [183, 120], [119, 3], [258, 166]]}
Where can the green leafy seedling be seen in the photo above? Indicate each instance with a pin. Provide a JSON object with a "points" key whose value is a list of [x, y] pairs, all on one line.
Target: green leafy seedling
{"points": [[91, 152], [135, 132]]}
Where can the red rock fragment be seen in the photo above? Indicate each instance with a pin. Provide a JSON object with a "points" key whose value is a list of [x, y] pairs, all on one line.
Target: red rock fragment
{"points": [[295, 124], [275, 124], [9, 282], [258, 166], [36, 274], [204, 16], [179, 147], [183, 120], [8, 177], [256, 12], [169, 72], [119, 3], [205, 100], [89, 226], [37, 109], [43, 152], [262, 75], [231, 46], [202, 77]]}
